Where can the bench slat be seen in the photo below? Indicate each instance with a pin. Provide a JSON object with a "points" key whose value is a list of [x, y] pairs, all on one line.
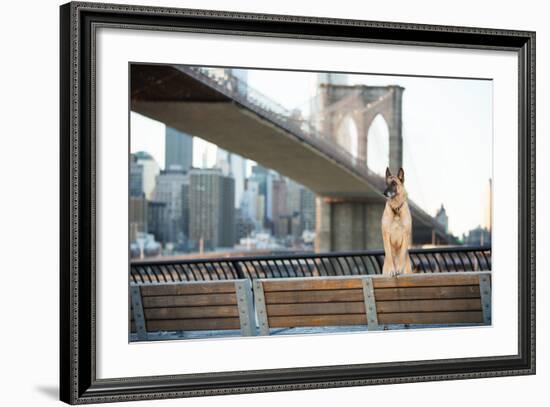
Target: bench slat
{"points": [[191, 312], [418, 280], [317, 320], [289, 297], [312, 284], [188, 288], [189, 300], [426, 293], [432, 318], [193, 324], [316, 308], [473, 304]]}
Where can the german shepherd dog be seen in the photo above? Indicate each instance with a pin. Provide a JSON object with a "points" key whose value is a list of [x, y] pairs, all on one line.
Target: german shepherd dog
{"points": [[396, 226]]}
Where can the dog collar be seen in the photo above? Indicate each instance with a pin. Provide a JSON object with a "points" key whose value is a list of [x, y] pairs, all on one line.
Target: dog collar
{"points": [[398, 209]]}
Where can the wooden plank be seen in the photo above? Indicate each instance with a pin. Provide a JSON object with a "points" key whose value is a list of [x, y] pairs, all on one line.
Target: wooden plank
{"points": [[193, 324], [318, 308], [317, 320], [311, 284], [191, 312], [289, 297], [432, 317], [426, 293], [473, 304], [429, 280], [189, 300], [188, 288]]}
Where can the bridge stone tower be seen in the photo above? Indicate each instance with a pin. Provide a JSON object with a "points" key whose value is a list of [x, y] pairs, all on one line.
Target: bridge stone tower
{"points": [[353, 223], [362, 104]]}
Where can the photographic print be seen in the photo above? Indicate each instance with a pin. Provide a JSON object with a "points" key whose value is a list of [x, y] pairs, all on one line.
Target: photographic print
{"points": [[269, 202]]}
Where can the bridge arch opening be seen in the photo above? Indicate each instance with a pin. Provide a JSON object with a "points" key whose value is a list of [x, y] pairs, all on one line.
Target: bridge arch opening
{"points": [[347, 136], [378, 145]]}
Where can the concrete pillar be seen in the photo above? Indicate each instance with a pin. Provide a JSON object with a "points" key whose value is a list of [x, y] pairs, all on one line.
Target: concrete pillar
{"points": [[323, 240], [348, 226], [395, 129]]}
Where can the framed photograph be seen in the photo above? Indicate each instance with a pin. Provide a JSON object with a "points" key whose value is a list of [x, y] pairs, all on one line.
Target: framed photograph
{"points": [[254, 203]]}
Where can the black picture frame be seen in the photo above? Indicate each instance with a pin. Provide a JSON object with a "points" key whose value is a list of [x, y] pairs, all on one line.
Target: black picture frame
{"points": [[78, 382]]}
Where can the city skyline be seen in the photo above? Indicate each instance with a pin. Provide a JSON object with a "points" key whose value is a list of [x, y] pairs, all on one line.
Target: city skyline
{"points": [[179, 208]]}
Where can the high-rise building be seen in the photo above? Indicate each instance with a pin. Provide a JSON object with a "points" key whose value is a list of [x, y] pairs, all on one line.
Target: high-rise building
{"points": [[185, 210], [138, 216], [477, 237], [143, 172], [442, 218], [264, 178], [169, 189], [211, 209], [280, 208], [157, 220], [249, 203], [307, 209], [136, 177], [244, 225], [233, 165], [293, 196], [178, 150]]}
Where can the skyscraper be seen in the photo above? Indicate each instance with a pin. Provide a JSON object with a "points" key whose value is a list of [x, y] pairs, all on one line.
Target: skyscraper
{"points": [[178, 149], [264, 178], [211, 209], [232, 165], [143, 172], [169, 189], [307, 209], [280, 208], [249, 207], [136, 177], [157, 220], [138, 216], [442, 218]]}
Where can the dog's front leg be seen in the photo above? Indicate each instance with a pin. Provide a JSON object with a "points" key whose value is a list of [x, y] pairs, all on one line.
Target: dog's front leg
{"points": [[404, 258], [388, 268]]}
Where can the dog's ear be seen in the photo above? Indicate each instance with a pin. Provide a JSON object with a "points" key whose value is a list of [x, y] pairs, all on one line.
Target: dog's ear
{"points": [[388, 173], [401, 175]]}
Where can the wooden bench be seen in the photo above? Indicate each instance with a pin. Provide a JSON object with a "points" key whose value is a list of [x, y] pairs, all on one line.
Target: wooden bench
{"points": [[192, 306], [449, 298]]}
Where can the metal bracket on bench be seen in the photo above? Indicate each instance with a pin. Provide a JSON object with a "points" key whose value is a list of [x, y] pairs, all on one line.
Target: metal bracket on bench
{"points": [[261, 311], [246, 310], [139, 315], [370, 304], [485, 293]]}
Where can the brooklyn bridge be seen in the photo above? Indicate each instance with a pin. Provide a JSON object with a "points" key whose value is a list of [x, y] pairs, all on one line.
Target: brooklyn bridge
{"points": [[226, 111]]}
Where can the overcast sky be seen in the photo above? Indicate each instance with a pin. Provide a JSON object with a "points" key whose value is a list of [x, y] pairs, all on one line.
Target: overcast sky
{"points": [[447, 136]]}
